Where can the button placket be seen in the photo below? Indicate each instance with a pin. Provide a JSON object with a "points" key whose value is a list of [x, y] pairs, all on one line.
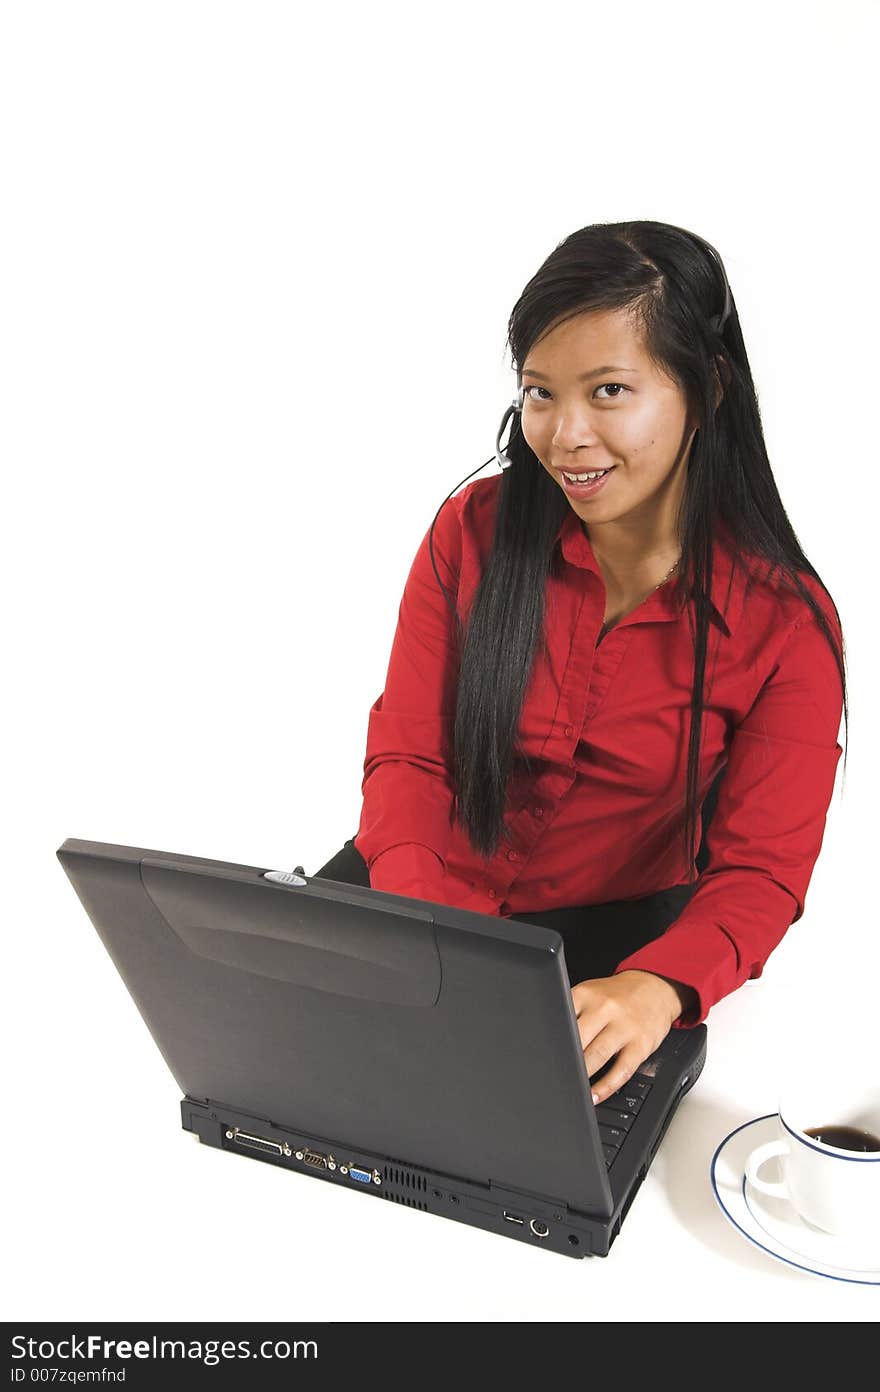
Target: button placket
{"points": [[609, 656], [528, 824], [577, 677]]}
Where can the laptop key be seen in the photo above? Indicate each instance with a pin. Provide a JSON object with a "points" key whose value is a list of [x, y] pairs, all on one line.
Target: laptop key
{"points": [[624, 1101], [631, 1103], [629, 1098], [642, 1086], [612, 1135], [613, 1116]]}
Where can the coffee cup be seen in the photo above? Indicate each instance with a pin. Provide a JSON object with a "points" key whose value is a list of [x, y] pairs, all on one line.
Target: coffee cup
{"points": [[828, 1147]]}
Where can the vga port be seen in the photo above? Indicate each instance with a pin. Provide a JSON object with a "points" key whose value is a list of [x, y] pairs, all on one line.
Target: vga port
{"points": [[362, 1176]]}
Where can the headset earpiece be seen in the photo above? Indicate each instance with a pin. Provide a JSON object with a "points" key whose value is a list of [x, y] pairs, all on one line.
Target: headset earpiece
{"points": [[502, 458]]}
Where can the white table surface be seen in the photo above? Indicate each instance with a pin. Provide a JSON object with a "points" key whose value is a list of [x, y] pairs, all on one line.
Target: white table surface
{"points": [[120, 1214]]}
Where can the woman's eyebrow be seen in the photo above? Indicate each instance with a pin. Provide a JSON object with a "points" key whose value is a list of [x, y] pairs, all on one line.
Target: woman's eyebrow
{"points": [[594, 372]]}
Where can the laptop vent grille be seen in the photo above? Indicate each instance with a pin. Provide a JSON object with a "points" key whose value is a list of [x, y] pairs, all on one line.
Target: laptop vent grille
{"points": [[405, 1199], [404, 1179]]}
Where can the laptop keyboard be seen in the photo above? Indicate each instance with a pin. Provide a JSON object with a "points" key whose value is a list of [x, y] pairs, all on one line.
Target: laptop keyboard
{"points": [[616, 1114]]}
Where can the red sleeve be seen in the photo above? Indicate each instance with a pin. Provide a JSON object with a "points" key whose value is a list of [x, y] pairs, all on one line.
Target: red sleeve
{"points": [[409, 869], [408, 790], [766, 831]]}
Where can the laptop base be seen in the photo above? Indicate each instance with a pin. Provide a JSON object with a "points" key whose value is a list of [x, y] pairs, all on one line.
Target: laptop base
{"points": [[539, 1220]]}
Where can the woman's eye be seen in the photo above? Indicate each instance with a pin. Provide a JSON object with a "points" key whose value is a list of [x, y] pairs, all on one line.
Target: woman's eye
{"points": [[617, 387]]}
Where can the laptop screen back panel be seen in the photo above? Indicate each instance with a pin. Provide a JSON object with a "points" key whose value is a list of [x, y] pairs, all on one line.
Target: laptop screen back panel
{"points": [[442, 1037]]}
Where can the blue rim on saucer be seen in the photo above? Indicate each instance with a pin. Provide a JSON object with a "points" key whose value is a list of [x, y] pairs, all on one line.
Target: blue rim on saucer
{"points": [[732, 1195]]}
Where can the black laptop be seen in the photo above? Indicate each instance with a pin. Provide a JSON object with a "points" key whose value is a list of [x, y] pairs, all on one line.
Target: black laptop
{"points": [[393, 1047]]}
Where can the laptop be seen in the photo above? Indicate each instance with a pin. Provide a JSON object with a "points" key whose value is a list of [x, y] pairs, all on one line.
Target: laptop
{"points": [[393, 1047]]}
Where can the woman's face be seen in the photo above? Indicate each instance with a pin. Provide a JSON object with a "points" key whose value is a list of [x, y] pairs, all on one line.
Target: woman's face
{"points": [[593, 399]]}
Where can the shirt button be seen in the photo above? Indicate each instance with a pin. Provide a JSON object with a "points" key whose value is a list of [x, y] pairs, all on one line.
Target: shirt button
{"points": [[569, 729], [538, 811], [512, 855], [492, 894]]}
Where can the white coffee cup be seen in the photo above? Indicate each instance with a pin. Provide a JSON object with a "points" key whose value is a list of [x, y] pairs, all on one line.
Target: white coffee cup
{"points": [[831, 1186]]}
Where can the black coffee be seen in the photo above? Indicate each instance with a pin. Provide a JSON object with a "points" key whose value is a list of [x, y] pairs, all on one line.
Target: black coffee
{"points": [[845, 1137]]}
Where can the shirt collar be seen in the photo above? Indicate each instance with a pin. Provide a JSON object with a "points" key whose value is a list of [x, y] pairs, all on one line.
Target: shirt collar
{"points": [[729, 575]]}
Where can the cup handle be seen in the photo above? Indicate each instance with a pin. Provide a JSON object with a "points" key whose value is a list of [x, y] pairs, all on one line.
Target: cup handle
{"points": [[759, 1157]]}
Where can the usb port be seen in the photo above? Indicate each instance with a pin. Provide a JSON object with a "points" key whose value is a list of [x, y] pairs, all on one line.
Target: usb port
{"points": [[514, 1218]]}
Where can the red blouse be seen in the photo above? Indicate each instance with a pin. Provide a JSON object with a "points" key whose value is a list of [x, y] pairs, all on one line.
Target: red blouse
{"points": [[605, 727]]}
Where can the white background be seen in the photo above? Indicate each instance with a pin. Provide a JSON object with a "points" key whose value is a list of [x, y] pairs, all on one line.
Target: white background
{"points": [[257, 262]]}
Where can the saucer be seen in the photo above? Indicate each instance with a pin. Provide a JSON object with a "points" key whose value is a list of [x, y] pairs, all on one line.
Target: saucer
{"points": [[772, 1224]]}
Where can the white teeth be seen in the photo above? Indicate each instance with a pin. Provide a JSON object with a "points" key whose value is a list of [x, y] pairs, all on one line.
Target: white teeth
{"points": [[584, 478]]}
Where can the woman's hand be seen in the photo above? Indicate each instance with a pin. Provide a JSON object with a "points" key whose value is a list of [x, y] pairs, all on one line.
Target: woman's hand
{"points": [[629, 1015]]}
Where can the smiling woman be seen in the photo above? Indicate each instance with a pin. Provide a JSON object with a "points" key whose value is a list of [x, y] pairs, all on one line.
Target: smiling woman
{"points": [[632, 437], [621, 447], [547, 738]]}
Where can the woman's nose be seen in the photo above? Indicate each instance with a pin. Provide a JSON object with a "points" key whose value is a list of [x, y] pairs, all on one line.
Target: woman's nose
{"points": [[573, 427]]}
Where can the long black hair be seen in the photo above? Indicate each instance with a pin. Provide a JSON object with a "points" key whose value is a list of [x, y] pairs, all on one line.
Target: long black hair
{"points": [[675, 286]]}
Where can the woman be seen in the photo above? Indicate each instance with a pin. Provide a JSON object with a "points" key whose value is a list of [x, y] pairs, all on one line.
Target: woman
{"points": [[577, 664]]}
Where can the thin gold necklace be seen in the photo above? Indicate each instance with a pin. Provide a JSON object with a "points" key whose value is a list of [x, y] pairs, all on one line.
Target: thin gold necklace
{"points": [[668, 573], [606, 627], [659, 582]]}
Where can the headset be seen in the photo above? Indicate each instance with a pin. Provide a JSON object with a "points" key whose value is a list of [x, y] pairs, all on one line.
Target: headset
{"points": [[503, 459]]}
